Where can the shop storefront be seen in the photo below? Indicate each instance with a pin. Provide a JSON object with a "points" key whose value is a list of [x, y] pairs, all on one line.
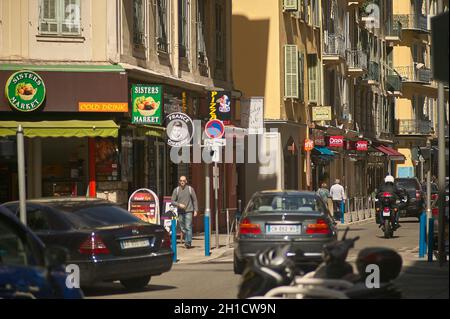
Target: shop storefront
{"points": [[70, 116]]}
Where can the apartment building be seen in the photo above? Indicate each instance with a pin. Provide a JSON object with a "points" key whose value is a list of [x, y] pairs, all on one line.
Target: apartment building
{"points": [[416, 108]]}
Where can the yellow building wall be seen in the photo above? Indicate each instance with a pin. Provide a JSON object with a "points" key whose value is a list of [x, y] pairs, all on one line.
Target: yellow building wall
{"points": [[256, 53], [402, 6]]}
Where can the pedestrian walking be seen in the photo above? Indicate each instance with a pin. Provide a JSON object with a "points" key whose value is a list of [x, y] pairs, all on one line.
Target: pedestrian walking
{"points": [[185, 199], [323, 192], [337, 193]]}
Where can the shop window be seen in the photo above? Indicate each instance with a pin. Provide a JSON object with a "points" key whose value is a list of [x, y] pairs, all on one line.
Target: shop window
{"points": [[107, 159], [60, 17]]}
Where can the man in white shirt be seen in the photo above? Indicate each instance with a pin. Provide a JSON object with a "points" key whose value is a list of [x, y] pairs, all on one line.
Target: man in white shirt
{"points": [[337, 193]]}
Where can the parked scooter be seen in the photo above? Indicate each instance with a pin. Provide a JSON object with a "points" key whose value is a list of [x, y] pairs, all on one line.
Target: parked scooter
{"points": [[271, 274]]}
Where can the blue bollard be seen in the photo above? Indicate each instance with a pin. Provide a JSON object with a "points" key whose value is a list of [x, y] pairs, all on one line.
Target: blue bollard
{"points": [[423, 235], [207, 248], [174, 239], [430, 239], [342, 212]]}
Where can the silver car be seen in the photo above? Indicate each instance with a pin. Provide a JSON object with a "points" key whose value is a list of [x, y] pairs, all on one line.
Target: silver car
{"points": [[278, 217]]}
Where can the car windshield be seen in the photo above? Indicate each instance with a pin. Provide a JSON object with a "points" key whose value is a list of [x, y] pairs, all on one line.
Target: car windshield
{"points": [[282, 202], [97, 215]]}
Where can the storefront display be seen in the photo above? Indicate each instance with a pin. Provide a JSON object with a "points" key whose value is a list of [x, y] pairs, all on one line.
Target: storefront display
{"points": [[107, 159]]}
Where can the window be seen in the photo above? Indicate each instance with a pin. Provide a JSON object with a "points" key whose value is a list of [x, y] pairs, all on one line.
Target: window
{"points": [[278, 202], [138, 23], [220, 36], [301, 76], [313, 77], [161, 25], [291, 74], [201, 44], [59, 17], [183, 28], [315, 13], [14, 250]]}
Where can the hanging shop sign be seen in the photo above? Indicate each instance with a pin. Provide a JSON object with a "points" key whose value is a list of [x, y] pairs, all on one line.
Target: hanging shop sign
{"points": [[147, 104], [144, 204], [180, 129], [220, 106], [309, 145], [336, 141], [25, 91], [362, 146], [321, 113]]}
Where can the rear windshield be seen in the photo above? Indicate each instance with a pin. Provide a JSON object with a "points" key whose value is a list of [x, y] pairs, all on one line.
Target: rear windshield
{"points": [[434, 187], [98, 216], [294, 203], [407, 183]]}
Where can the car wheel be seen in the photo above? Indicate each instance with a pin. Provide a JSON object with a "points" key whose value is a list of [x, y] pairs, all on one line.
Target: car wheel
{"points": [[238, 265], [135, 283]]}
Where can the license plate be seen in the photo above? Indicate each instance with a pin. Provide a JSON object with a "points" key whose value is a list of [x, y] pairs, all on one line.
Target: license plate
{"points": [[386, 213], [283, 229], [134, 243]]}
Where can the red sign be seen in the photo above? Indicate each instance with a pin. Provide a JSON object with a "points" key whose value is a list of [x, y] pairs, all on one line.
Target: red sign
{"points": [[362, 146], [309, 145], [336, 141]]}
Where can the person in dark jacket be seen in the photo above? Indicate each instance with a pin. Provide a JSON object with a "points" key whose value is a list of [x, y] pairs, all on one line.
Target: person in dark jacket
{"points": [[390, 187]]}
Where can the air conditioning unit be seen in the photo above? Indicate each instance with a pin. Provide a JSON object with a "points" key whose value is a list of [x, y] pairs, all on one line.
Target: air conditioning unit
{"points": [[290, 5]]}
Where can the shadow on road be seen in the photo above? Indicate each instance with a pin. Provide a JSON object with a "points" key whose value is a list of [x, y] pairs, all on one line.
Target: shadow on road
{"points": [[106, 289]]}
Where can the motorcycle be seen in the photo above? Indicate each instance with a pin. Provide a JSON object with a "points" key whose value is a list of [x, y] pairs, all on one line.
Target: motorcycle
{"points": [[272, 274], [387, 210]]}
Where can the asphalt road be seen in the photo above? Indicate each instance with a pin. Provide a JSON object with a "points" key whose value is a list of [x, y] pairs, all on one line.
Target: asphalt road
{"points": [[216, 280]]}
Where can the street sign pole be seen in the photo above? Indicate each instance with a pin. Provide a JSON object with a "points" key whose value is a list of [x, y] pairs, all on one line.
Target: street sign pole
{"points": [[216, 201], [21, 175], [207, 211]]}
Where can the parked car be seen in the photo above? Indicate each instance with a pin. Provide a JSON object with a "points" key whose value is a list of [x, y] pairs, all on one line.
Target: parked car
{"points": [[107, 242], [272, 218], [416, 197], [29, 270]]}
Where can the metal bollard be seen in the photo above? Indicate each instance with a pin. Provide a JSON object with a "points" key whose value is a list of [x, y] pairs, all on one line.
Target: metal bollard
{"points": [[207, 239], [342, 211], [173, 227], [228, 227], [423, 235]]}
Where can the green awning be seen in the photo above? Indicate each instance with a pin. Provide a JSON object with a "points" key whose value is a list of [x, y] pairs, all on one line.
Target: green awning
{"points": [[71, 128], [151, 130]]}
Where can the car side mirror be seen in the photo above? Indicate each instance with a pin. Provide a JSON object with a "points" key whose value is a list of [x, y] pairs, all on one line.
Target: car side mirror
{"points": [[55, 256]]}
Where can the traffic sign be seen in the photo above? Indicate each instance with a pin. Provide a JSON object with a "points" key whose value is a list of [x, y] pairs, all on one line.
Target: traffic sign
{"points": [[216, 142], [214, 129], [309, 145]]}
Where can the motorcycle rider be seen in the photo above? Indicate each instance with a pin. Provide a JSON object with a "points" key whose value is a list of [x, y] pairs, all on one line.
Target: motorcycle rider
{"points": [[389, 187]]}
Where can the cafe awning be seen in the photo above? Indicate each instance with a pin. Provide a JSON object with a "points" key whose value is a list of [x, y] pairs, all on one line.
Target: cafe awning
{"points": [[324, 151], [70, 128], [391, 153]]}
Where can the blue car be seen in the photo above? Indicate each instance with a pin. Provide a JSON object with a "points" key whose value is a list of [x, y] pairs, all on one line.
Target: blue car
{"points": [[29, 270]]}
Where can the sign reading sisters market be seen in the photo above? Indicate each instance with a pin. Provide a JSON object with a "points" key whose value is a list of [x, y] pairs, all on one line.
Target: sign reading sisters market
{"points": [[25, 91], [147, 104], [180, 129]]}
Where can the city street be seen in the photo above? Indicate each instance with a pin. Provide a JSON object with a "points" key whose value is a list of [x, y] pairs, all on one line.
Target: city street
{"points": [[217, 280]]}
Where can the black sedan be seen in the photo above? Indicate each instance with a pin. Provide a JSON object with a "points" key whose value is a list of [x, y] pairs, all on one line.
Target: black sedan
{"points": [[272, 218], [107, 242]]}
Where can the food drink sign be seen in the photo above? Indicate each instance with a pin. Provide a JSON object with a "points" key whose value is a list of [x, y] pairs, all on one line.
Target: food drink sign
{"points": [[146, 104], [25, 91], [144, 204]]}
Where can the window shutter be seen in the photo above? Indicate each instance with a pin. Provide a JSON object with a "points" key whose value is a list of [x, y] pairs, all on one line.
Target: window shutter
{"points": [[290, 5], [312, 77], [301, 76], [291, 77]]}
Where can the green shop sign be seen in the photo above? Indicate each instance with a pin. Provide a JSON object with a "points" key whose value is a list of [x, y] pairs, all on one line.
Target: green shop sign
{"points": [[25, 91], [147, 104]]}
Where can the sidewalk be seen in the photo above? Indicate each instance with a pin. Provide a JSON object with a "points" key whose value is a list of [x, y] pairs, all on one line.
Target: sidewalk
{"points": [[196, 254]]}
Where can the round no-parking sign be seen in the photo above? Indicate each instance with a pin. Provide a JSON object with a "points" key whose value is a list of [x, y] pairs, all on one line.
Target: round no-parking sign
{"points": [[214, 129]]}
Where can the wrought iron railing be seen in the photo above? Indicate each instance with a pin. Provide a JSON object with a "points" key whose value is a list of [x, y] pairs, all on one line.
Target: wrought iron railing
{"points": [[394, 29], [335, 45], [373, 72], [415, 73], [356, 59], [414, 127], [412, 21]]}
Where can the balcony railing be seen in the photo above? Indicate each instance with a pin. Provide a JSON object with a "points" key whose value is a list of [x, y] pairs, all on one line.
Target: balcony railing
{"points": [[414, 127], [394, 29], [393, 81], [415, 73], [335, 45], [413, 22], [356, 59], [373, 72]]}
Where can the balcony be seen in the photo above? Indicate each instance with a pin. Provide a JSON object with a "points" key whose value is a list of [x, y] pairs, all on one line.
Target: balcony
{"points": [[356, 62], [413, 22], [334, 48], [416, 73], [373, 75], [394, 84], [393, 31], [414, 127]]}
